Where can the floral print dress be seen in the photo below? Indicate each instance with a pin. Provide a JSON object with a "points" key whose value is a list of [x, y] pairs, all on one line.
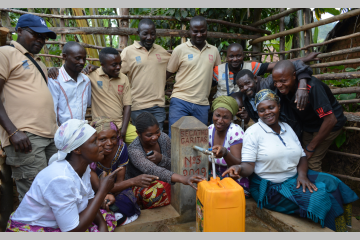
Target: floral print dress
{"points": [[234, 135]]}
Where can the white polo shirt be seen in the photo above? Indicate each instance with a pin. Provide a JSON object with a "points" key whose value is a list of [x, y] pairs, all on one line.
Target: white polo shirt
{"points": [[56, 198], [71, 98], [276, 156]]}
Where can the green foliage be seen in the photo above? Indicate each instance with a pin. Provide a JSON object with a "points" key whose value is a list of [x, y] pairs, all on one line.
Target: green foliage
{"points": [[340, 139]]}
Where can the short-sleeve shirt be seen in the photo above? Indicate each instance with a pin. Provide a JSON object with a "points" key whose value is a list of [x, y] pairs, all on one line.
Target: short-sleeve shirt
{"points": [[25, 96], [276, 156], [234, 135], [71, 98], [109, 95], [56, 198], [146, 71], [321, 103], [194, 71], [219, 76]]}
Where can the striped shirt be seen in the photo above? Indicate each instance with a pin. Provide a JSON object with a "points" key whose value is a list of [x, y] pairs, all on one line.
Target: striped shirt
{"points": [[71, 98], [219, 76]]}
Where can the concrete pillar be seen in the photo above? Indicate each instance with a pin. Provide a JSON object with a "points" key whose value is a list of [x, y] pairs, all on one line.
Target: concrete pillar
{"points": [[185, 133]]}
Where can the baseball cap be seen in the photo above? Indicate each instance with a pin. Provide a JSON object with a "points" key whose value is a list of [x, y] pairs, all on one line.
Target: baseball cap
{"points": [[35, 23]]}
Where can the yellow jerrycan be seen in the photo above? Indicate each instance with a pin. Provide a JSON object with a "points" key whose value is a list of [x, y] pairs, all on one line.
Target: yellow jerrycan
{"points": [[220, 206]]}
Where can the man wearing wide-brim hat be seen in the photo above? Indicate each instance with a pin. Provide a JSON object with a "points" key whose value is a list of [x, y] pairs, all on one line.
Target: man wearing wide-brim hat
{"points": [[27, 117]]}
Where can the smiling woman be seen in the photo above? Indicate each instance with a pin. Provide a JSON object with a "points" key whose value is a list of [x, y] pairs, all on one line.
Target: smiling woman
{"points": [[61, 198], [226, 138], [120, 199], [280, 180]]}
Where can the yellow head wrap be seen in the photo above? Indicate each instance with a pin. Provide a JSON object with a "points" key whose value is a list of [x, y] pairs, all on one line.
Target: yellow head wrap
{"points": [[226, 102]]}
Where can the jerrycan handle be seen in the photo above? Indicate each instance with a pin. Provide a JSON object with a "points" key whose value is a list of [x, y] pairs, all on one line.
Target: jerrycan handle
{"points": [[217, 180]]}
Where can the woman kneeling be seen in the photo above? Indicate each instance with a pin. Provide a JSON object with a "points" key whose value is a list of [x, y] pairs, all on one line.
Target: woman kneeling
{"points": [[150, 153], [120, 199], [61, 198], [281, 181]]}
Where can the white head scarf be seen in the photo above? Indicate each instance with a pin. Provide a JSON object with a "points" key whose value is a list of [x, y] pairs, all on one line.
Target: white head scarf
{"points": [[69, 136]]}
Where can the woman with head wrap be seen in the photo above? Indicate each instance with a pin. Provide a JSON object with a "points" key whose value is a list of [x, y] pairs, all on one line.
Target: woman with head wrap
{"points": [[61, 198], [280, 179], [120, 199], [226, 138]]}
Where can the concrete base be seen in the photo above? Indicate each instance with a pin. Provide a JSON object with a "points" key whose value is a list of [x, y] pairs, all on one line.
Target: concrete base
{"points": [[355, 225], [167, 219], [283, 222], [152, 220]]}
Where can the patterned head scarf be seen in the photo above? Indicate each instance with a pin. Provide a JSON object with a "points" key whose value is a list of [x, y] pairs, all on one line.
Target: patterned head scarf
{"points": [[69, 136], [266, 94], [226, 102], [103, 123]]}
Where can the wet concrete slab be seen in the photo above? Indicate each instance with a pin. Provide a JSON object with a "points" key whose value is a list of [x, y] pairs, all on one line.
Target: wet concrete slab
{"points": [[167, 219], [283, 222], [152, 220]]}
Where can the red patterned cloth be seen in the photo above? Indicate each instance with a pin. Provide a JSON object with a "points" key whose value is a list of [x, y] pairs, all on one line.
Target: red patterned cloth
{"points": [[158, 194]]}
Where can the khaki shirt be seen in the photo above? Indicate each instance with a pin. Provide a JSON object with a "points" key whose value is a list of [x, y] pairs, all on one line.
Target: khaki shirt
{"points": [[26, 97], [109, 95], [146, 71], [194, 71]]}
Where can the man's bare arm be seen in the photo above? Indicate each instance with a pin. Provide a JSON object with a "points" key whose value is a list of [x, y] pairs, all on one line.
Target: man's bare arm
{"points": [[19, 140]]}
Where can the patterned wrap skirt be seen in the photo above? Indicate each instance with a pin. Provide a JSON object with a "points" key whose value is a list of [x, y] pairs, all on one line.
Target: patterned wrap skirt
{"points": [[14, 226], [158, 194]]}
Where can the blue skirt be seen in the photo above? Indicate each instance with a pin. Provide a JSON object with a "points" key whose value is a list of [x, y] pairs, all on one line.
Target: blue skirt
{"points": [[322, 206]]}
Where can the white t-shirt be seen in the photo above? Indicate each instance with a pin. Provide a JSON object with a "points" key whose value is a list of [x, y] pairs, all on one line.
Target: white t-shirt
{"points": [[276, 156], [56, 197]]}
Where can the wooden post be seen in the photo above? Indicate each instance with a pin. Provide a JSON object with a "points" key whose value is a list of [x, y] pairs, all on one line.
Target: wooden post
{"points": [[6, 192], [123, 39], [257, 47], [63, 36], [282, 39], [301, 36], [183, 27], [308, 37]]}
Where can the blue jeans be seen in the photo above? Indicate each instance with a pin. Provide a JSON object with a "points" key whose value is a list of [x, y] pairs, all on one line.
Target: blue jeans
{"points": [[158, 112], [179, 108]]}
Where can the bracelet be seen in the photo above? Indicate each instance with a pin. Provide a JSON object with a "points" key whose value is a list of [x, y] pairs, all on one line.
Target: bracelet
{"points": [[308, 149], [225, 153], [302, 88], [13, 133]]}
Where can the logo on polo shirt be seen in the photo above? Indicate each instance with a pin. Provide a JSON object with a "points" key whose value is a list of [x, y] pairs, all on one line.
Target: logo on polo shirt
{"points": [[158, 57], [138, 59], [223, 76], [100, 84], [190, 57], [42, 22], [120, 89], [25, 64], [211, 58]]}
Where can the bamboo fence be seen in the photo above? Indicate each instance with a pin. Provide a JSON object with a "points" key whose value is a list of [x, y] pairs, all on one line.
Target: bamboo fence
{"points": [[93, 40]]}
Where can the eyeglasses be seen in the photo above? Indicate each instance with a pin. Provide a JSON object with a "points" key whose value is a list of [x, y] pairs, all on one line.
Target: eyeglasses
{"points": [[36, 35]]}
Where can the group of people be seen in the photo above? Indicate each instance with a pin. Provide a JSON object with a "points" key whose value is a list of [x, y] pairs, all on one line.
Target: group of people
{"points": [[75, 176]]}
